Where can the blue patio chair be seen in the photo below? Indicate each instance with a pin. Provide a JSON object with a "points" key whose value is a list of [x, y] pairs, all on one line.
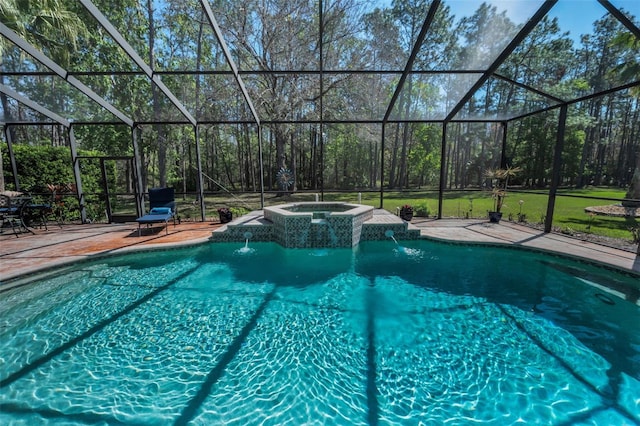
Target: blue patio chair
{"points": [[162, 208]]}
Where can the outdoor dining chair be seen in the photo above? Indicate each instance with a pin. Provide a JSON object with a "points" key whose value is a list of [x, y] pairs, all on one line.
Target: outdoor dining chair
{"points": [[12, 211]]}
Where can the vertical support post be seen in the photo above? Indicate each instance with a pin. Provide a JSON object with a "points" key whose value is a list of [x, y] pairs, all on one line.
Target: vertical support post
{"points": [[12, 158], [382, 166], [261, 161], [200, 182], [443, 171], [2, 184], [321, 101], [322, 136], [137, 167], [76, 174], [557, 162], [503, 154], [103, 169]]}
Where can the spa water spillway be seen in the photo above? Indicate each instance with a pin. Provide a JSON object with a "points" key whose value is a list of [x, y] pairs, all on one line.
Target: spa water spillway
{"points": [[318, 224]]}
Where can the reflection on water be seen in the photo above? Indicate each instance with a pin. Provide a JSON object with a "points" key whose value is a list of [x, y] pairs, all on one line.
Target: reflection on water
{"points": [[413, 334]]}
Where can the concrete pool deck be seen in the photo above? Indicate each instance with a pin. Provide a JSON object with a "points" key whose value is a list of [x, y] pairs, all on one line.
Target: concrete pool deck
{"points": [[58, 246]]}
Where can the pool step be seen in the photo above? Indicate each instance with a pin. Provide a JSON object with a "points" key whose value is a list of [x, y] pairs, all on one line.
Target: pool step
{"points": [[382, 221], [373, 229]]}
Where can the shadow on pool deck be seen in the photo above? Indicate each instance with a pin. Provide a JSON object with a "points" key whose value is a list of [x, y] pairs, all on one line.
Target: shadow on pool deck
{"points": [[61, 245]]}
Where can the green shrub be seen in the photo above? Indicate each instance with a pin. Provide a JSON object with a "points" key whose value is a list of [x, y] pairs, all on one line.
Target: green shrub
{"points": [[40, 166], [421, 209]]}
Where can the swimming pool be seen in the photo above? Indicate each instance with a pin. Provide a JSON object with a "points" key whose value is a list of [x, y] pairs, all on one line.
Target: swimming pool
{"points": [[429, 333]]}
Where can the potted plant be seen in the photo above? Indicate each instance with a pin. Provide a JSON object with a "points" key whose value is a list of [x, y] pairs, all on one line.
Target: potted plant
{"points": [[406, 212], [225, 215], [500, 182], [498, 200]]}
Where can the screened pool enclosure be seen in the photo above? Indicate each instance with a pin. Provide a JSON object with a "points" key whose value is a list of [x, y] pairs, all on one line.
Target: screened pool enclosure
{"points": [[244, 103]]}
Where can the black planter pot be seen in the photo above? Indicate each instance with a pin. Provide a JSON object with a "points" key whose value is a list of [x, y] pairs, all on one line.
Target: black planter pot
{"points": [[494, 217], [225, 216], [406, 214]]}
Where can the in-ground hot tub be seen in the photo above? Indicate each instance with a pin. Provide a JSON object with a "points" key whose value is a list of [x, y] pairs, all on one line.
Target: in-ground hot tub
{"points": [[318, 224]]}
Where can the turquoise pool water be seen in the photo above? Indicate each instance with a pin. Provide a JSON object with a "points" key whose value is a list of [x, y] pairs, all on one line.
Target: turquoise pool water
{"points": [[379, 334]]}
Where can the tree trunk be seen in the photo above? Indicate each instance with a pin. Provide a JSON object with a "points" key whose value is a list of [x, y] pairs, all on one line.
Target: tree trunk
{"points": [[402, 172], [251, 178], [158, 130], [281, 155], [313, 177], [11, 130], [394, 158], [633, 195], [2, 188], [293, 164], [240, 156], [373, 168]]}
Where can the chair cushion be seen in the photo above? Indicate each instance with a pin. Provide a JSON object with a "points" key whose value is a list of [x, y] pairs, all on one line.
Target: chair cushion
{"points": [[161, 195], [160, 210]]}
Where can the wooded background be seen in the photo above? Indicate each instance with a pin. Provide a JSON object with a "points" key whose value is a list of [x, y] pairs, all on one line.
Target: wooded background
{"points": [[326, 127]]}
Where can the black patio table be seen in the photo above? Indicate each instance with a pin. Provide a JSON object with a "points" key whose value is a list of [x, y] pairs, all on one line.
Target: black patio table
{"points": [[36, 214]]}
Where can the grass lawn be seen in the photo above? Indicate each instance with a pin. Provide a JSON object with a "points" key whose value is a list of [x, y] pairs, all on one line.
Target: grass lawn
{"points": [[569, 214]]}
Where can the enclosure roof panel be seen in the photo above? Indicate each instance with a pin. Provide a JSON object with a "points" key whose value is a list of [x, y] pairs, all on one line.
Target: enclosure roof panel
{"points": [[629, 8], [488, 104], [59, 96], [25, 111], [470, 36], [432, 96], [198, 61], [539, 62]]}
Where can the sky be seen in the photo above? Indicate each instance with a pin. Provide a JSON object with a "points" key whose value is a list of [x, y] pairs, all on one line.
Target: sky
{"points": [[575, 16]]}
